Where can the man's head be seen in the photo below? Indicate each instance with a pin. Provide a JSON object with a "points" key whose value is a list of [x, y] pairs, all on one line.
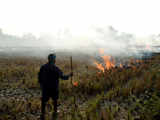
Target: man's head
{"points": [[52, 58]]}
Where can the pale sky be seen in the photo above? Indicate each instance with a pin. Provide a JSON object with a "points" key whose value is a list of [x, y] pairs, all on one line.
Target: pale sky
{"points": [[139, 17]]}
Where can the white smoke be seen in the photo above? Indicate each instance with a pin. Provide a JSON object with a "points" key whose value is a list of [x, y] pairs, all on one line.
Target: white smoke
{"points": [[112, 41]]}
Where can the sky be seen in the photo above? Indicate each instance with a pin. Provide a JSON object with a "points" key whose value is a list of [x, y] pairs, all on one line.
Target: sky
{"points": [[139, 17]]}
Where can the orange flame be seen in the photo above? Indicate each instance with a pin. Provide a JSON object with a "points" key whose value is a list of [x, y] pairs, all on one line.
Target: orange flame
{"points": [[120, 65], [75, 84], [99, 66], [107, 61]]}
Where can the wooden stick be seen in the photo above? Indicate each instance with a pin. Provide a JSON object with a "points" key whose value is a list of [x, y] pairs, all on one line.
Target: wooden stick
{"points": [[71, 68], [74, 97]]}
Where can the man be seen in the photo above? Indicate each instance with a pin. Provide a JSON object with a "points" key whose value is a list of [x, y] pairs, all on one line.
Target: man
{"points": [[49, 81]]}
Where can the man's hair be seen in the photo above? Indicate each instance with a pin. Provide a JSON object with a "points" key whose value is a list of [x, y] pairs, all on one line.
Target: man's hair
{"points": [[52, 56]]}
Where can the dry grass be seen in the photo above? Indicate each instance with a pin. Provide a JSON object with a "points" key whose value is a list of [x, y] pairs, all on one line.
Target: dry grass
{"points": [[20, 91]]}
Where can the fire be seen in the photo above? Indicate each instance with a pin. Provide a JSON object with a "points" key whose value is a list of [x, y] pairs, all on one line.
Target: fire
{"points": [[120, 65], [108, 63], [99, 66], [75, 84]]}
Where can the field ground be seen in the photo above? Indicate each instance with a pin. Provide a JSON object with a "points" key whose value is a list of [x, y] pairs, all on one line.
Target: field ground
{"points": [[117, 94]]}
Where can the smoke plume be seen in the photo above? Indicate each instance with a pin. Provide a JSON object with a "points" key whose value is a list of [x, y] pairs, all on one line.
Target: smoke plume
{"points": [[113, 42]]}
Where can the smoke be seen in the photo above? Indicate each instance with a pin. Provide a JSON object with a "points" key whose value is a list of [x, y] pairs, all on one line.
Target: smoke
{"points": [[113, 42], [27, 40], [119, 43]]}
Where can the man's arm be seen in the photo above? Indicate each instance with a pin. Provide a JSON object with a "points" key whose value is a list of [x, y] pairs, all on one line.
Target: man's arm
{"points": [[64, 77]]}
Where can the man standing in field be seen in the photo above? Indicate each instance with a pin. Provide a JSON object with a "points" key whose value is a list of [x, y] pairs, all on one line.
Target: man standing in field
{"points": [[48, 78]]}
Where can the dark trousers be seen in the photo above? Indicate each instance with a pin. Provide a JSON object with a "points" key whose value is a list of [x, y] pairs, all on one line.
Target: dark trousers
{"points": [[45, 97]]}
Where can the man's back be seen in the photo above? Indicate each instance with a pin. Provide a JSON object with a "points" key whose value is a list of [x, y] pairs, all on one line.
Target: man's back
{"points": [[49, 76]]}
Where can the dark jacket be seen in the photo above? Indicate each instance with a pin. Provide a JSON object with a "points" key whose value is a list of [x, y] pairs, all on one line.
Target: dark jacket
{"points": [[49, 77]]}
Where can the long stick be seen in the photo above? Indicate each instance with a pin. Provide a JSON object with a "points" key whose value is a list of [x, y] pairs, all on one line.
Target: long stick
{"points": [[74, 97], [71, 68]]}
